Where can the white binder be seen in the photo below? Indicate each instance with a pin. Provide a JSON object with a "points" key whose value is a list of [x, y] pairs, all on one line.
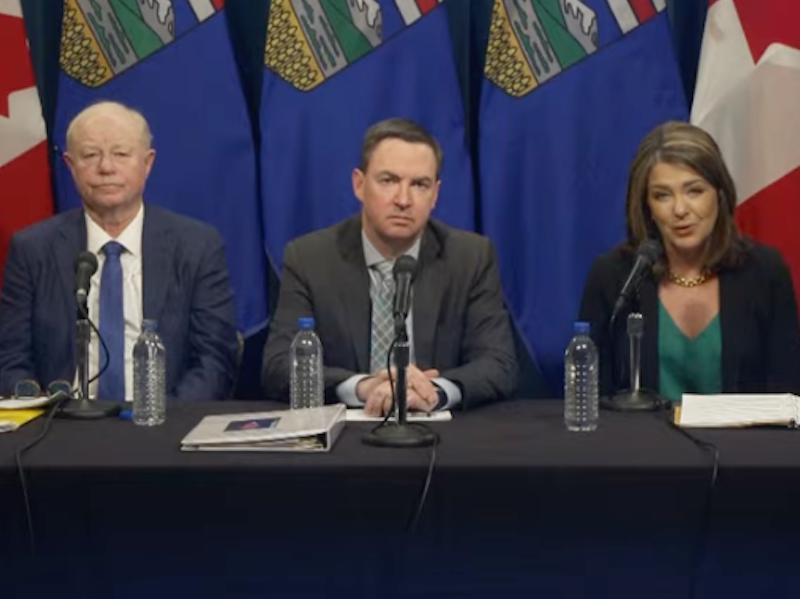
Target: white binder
{"points": [[306, 430]]}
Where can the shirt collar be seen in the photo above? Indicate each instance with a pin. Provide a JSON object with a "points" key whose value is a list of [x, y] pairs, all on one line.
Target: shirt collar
{"points": [[372, 256], [130, 238]]}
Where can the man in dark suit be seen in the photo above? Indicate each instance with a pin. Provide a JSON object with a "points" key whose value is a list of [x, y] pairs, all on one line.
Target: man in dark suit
{"points": [[153, 264], [461, 343]]}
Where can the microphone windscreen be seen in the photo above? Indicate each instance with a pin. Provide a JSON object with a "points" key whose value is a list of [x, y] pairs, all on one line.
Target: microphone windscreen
{"points": [[88, 259], [650, 251], [404, 265]]}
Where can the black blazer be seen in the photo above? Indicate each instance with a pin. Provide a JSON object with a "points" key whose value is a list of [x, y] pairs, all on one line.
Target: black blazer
{"points": [[461, 326], [758, 321]]}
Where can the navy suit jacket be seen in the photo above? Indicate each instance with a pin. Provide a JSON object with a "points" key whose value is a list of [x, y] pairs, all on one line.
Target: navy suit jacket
{"points": [[185, 289]]}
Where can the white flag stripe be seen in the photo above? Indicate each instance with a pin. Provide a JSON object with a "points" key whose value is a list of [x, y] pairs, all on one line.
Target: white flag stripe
{"points": [[202, 9], [660, 4], [757, 123], [12, 8], [750, 109], [24, 128], [725, 58], [623, 13], [408, 10]]}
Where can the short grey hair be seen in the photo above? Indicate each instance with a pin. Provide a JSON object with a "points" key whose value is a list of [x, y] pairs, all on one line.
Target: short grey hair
{"points": [[147, 135]]}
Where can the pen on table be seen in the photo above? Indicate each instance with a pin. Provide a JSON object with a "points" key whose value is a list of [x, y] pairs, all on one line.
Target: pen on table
{"points": [[126, 414]]}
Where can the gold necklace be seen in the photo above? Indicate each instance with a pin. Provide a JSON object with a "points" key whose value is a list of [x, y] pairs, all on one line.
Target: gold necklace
{"points": [[685, 282]]}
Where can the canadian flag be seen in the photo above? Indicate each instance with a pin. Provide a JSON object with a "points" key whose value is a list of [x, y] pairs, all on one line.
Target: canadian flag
{"points": [[25, 193], [748, 98]]}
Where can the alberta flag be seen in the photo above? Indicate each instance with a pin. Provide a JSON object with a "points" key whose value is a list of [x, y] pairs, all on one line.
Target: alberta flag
{"points": [[333, 68], [570, 88], [25, 195], [173, 61], [747, 97]]}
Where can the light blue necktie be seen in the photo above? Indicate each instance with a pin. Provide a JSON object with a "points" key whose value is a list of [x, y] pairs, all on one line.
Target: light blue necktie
{"points": [[112, 325], [382, 318]]}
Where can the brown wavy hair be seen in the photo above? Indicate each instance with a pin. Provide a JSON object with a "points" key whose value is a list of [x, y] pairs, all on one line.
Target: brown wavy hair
{"points": [[680, 143]]}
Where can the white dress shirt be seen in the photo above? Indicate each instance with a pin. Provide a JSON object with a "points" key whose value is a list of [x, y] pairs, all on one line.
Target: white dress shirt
{"points": [[131, 261]]}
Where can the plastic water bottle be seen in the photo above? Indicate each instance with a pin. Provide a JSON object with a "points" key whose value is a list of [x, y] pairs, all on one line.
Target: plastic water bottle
{"points": [[307, 386], [581, 409], [149, 377]]}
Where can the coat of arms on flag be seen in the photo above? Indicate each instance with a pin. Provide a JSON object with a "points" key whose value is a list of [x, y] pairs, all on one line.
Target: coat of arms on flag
{"points": [[532, 41], [570, 88], [311, 40], [103, 38]]}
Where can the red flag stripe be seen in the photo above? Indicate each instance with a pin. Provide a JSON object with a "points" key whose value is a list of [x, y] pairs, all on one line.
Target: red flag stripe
{"points": [[766, 23], [771, 216], [426, 5], [218, 4], [26, 193], [643, 9]]}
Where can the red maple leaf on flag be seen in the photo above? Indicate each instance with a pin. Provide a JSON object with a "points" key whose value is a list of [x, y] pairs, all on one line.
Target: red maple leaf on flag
{"points": [[767, 23]]}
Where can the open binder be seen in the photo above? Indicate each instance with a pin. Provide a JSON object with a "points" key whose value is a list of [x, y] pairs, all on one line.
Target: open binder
{"points": [[306, 430]]}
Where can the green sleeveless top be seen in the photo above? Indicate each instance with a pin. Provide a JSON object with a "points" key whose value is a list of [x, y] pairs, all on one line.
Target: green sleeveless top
{"points": [[688, 365]]}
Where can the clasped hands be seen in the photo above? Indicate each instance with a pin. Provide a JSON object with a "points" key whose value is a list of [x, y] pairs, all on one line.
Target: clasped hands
{"points": [[376, 392]]}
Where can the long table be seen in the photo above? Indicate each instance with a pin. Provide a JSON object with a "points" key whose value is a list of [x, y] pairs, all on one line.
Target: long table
{"points": [[516, 507]]}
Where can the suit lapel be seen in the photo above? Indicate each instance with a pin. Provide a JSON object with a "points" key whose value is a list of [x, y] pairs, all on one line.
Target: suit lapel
{"points": [[429, 287], [354, 292], [157, 250], [72, 241]]}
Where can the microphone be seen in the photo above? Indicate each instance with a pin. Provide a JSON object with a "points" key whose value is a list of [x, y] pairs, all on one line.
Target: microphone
{"points": [[82, 407], [85, 267], [404, 271], [401, 433], [647, 253]]}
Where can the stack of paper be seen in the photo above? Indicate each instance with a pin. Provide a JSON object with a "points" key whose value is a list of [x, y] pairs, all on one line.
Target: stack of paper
{"points": [[738, 410]]}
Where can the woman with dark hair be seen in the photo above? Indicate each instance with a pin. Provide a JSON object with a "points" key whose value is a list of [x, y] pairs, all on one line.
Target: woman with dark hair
{"points": [[719, 310]]}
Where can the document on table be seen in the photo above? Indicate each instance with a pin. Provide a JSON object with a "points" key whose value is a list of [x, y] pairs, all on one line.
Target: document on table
{"points": [[358, 415]]}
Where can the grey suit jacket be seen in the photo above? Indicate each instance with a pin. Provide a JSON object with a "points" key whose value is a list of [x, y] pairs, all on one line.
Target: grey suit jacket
{"points": [[461, 326], [184, 286]]}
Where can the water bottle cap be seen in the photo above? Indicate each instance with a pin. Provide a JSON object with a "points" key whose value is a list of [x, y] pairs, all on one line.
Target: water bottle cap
{"points": [[582, 328], [305, 322], [149, 325]]}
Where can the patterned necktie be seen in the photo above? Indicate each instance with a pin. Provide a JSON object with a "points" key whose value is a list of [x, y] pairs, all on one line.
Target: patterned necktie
{"points": [[112, 324], [382, 319]]}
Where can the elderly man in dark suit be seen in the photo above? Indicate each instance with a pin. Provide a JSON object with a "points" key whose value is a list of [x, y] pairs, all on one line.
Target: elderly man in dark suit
{"points": [[462, 349], [153, 264]]}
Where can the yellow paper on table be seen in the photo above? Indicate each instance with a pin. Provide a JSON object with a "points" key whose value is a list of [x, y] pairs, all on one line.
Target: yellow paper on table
{"points": [[11, 420]]}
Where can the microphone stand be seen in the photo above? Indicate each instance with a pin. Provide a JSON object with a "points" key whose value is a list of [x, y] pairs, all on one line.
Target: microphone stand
{"points": [[82, 408], [634, 398], [401, 433]]}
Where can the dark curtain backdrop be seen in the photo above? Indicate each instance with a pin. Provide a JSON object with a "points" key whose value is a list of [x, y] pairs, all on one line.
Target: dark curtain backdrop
{"points": [[469, 21]]}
